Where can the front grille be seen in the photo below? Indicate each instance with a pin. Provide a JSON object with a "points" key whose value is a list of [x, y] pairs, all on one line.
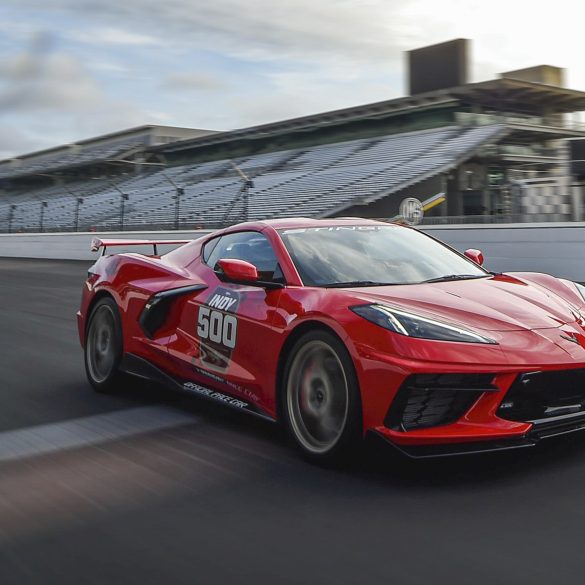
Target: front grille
{"points": [[429, 400], [541, 395]]}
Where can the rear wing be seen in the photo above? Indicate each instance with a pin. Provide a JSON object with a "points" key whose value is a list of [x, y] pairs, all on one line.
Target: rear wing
{"points": [[97, 244]]}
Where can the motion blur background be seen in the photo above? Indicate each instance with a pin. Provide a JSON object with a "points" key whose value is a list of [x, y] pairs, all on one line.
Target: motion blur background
{"points": [[147, 115]]}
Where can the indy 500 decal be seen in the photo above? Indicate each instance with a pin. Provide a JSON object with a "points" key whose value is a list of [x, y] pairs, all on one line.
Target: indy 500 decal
{"points": [[217, 328]]}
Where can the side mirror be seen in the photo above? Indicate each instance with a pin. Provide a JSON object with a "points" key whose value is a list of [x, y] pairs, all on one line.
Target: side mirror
{"points": [[238, 270], [474, 255]]}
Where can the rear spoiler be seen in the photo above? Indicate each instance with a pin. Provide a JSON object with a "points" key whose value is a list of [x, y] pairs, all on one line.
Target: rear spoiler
{"points": [[96, 244]]}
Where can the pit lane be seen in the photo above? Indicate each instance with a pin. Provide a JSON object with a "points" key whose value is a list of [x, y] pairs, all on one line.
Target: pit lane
{"points": [[152, 487]]}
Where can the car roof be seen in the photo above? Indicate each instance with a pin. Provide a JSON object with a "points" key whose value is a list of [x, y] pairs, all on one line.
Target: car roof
{"points": [[304, 222]]}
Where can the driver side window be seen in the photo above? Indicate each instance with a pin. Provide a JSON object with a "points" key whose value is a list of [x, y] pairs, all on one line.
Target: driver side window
{"points": [[253, 247]]}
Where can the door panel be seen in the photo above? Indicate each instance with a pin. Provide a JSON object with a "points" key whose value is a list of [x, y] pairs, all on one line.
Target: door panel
{"points": [[225, 338]]}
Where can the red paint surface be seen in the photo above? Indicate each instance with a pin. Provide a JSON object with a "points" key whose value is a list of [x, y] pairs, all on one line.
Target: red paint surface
{"points": [[524, 313]]}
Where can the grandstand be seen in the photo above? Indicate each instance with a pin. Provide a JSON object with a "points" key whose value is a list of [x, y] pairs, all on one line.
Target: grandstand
{"points": [[497, 148]]}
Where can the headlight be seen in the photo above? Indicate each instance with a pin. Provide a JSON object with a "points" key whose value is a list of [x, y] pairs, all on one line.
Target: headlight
{"points": [[405, 323]]}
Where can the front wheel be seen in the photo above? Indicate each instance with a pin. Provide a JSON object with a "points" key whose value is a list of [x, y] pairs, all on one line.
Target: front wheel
{"points": [[103, 346], [321, 401]]}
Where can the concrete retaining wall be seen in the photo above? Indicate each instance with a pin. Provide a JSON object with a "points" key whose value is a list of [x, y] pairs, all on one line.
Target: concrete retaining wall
{"points": [[558, 249], [75, 246]]}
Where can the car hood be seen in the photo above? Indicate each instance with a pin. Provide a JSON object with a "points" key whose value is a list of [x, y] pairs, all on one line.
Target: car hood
{"points": [[495, 303]]}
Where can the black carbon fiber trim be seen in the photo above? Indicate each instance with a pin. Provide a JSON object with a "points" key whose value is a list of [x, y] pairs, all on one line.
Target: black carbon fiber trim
{"points": [[156, 309], [137, 366], [428, 400]]}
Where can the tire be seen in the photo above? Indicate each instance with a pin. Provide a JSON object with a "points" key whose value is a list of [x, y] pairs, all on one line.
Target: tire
{"points": [[320, 398], [103, 347]]}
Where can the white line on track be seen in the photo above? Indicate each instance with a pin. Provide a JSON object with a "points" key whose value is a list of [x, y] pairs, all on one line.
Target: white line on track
{"points": [[90, 430]]}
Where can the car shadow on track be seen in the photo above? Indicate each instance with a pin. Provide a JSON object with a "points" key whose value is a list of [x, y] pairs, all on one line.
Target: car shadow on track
{"points": [[381, 462], [376, 461]]}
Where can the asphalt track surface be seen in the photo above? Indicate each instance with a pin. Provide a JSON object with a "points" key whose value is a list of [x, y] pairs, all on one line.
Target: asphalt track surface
{"points": [[155, 487]]}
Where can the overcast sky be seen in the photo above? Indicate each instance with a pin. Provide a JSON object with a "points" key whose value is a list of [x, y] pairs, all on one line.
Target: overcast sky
{"points": [[71, 69]]}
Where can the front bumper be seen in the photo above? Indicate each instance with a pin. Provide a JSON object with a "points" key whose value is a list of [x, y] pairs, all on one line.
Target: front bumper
{"points": [[539, 430], [514, 410]]}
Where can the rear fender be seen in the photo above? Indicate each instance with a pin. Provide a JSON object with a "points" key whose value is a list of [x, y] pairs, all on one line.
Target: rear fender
{"points": [[131, 280]]}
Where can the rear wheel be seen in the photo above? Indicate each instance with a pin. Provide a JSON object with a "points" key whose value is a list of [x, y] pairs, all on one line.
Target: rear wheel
{"points": [[103, 346], [321, 401]]}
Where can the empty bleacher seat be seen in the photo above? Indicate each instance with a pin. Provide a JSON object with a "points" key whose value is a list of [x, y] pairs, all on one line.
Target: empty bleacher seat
{"points": [[311, 181]]}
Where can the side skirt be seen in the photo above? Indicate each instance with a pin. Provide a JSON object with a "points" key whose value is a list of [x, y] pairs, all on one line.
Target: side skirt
{"points": [[141, 368], [458, 449]]}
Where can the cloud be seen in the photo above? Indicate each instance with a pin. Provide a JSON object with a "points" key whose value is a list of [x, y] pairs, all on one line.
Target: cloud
{"points": [[14, 139], [352, 34], [40, 79], [359, 30], [299, 93], [192, 81], [108, 66], [56, 84], [115, 36], [49, 97], [252, 29], [232, 63]]}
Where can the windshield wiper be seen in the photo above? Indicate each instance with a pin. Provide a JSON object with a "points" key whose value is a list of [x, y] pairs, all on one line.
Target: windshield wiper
{"points": [[450, 277], [352, 283]]}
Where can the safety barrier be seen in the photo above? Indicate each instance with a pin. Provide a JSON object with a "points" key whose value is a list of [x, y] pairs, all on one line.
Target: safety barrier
{"points": [[75, 246], [557, 249]]}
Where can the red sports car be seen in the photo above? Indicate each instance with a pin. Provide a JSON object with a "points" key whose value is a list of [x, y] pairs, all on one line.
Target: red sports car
{"points": [[343, 327]]}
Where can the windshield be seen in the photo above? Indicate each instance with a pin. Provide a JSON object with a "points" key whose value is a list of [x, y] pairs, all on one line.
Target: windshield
{"points": [[369, 255]]}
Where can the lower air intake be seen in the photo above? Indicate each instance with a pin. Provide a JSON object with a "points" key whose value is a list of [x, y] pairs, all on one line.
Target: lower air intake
{"points": [[430, 400], [540, 395]]}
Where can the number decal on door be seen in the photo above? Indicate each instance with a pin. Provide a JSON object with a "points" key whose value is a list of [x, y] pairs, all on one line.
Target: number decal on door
{"points": [[217, 327]]}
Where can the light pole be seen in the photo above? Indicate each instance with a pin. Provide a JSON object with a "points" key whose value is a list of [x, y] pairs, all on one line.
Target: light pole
{"points": [[78, 202], [44, 204], [179, 192], [246, 186], [123, 199], [11, 217], [243, 193]]}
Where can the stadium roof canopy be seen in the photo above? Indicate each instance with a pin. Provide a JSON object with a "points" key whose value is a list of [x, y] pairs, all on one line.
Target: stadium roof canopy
{"points": [[502, 95], [111, 147], [518, 95], [525, 106]]}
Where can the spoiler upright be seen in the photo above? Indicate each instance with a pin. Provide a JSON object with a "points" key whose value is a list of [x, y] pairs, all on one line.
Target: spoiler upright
{"points": [[97, 244]]}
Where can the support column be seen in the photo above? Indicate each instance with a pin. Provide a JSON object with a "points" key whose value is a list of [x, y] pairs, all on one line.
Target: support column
{"points": [[577, 192]]}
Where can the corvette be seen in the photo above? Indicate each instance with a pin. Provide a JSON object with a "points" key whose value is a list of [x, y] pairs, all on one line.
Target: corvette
{"points": [[338, 328]]}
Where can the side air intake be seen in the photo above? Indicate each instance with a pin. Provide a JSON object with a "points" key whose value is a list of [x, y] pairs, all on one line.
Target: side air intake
{"points": [[429, 400]]}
